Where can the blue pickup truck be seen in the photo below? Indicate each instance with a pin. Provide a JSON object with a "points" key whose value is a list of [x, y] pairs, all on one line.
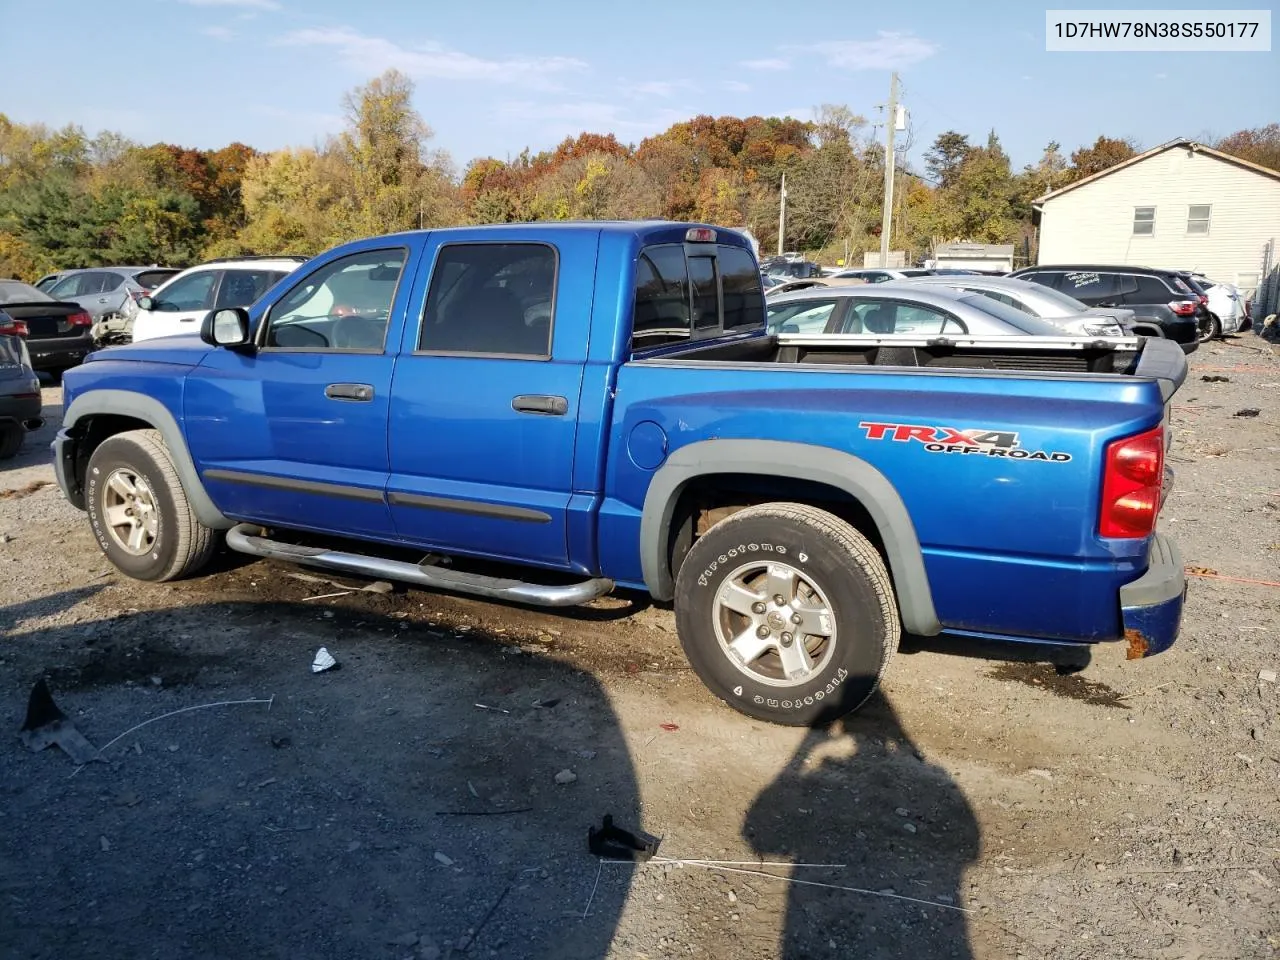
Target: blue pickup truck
{"points": [[557, 411]]}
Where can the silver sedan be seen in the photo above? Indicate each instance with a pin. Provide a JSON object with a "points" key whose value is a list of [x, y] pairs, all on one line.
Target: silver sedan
{"points": [[900, 308], [1038, 300]]}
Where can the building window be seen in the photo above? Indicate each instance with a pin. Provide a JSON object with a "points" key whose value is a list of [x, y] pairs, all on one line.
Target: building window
{"points": [[1144, 221], [1198, 219]]}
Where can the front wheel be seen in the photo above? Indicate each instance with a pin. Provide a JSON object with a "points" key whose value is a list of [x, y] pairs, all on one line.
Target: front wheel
{"points": [[787, 613], [139, 510]]}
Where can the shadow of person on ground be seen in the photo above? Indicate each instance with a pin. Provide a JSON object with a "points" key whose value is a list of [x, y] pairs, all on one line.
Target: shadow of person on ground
{"points": [[860, 794], [373, 810]]}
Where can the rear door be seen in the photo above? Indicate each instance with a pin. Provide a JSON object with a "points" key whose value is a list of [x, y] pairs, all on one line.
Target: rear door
{"points": [[486, 393], [295, 433]]}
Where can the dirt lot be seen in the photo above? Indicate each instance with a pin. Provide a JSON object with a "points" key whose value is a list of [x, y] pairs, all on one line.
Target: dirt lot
{"points": [[379, 810]]}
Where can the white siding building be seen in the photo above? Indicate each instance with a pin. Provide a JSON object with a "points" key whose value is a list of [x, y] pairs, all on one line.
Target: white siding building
{"points": [[1181, 206]]}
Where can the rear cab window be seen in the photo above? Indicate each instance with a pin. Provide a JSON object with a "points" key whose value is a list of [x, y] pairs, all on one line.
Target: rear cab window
{"points": [[695, 291]]}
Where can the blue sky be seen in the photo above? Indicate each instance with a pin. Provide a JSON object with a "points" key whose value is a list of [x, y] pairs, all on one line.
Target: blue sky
{"points": [[494, 76]]}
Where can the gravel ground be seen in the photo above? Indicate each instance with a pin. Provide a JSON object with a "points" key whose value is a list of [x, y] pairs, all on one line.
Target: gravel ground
{"points": [[415, 802]]}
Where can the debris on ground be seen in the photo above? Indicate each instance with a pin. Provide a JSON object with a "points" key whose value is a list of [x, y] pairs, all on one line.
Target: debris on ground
{"points": [[566, 777], [1267, 676], [1215, 378], [47, 726], [444, 859], [324, 661], [1247, 412], [610, 842], [17, 493]]}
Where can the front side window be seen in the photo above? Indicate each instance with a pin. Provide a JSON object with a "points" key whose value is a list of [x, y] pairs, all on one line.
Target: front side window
{"points": [[77, 285], [1198, 219], [662, 298], [803, 316], [491, 298], [192, 292], [1144, 221], [345, 305]]}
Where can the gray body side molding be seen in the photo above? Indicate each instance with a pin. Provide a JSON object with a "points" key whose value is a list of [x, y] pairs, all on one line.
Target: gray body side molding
{"points": [[125, 403], [799, 461]]}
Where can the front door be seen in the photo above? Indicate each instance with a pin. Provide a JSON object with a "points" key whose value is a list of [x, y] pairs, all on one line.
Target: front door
{"points": [[295, 433], [485, 398]]}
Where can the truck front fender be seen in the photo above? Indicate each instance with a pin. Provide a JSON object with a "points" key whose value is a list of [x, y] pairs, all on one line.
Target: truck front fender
{"points": [[138, 406], [798, 461]]}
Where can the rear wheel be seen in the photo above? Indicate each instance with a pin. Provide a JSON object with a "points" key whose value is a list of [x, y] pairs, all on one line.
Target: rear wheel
{"points": [[787, 613], [10, 439], [139, 510], [1208, 327]]}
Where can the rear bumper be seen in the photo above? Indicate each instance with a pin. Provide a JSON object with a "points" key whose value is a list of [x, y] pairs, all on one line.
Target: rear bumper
{"points": [[1151, 606], [20, 409], [56, 353]]}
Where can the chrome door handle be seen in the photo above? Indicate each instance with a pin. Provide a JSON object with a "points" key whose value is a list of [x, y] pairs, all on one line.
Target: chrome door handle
{"points": [[349, 391], [540, 403]]}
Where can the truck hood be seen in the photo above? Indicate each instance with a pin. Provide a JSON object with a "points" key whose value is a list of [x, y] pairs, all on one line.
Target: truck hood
{"points": [[186, 350]]}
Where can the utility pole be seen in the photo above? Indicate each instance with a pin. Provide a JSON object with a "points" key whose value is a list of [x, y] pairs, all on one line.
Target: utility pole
{"points": [[782, 217], [890, 125]]}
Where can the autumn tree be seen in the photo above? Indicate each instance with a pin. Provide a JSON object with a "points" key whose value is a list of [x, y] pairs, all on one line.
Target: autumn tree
{"points": [[1260, 145], [1105, 153]]}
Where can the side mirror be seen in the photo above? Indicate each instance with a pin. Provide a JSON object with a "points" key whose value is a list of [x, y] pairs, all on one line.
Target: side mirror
{"points": [[146, 303], [228, 327]]}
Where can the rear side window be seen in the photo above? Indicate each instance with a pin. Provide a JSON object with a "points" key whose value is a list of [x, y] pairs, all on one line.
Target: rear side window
{"points": [[1095, 287], [240, 288], [662, 298], [111, 281], [1150, 290], [491, 299], [743, 295]]}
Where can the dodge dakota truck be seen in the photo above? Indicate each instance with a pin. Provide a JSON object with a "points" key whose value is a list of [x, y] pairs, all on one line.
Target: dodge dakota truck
{"points": [[544, 413]]}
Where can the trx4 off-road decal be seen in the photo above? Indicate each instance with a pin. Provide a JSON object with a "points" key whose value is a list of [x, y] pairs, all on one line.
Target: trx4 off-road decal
{"points": [[974, 441]]}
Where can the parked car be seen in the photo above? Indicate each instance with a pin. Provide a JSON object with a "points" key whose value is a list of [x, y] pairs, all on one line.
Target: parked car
{"points": [[1226, 306], [1163, 303], [57, 333], [19, 387], [1044, 302], [179, 304], [102, 291], [785, 285], [903, 309], [589, 406]]}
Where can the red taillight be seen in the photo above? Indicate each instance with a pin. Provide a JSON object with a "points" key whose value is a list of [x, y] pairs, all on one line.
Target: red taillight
{"points": [[80, 320], [1183, 308], [14, 328], [1131, 481]]}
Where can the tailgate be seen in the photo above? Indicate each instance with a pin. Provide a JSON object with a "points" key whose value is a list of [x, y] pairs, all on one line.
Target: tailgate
{"points": [[47, 320]]}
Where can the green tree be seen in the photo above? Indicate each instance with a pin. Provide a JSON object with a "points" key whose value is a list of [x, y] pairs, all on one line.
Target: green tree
{"points": [[944, 159]]}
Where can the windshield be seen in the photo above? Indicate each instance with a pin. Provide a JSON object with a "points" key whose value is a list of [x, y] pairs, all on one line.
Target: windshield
{"points": [[1070, 305], [15, 291], [1014, 318]]}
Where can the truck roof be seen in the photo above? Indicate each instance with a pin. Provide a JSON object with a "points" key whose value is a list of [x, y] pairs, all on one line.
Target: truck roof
{"points": [[646, 230]]}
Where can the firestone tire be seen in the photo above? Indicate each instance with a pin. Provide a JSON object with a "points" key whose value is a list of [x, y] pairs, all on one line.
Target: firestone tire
{"points": [[139, 511], [814, 657]]}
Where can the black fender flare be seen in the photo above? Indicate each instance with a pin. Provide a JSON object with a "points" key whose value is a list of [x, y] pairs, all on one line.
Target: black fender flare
{"points": [[126, 403], [799, 461]]}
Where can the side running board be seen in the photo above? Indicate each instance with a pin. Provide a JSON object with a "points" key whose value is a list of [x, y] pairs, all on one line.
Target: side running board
{"points": [[245, 538]]}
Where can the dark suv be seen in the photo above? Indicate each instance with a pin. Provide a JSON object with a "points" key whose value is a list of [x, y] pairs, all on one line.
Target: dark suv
{"points": [[1162, 301]]}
